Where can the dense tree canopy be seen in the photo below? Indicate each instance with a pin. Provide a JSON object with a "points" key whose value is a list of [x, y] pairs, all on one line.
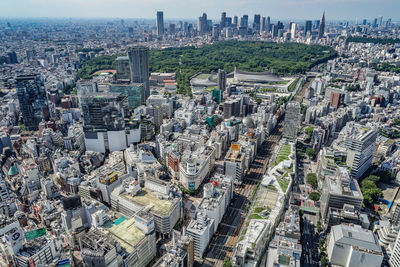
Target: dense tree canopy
{"points": [[283, 58]]}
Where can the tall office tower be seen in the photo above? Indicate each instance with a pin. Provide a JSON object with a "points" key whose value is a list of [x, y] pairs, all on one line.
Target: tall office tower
{"points": [[244, 21], [274, 30], [268, 25], [257, 23], [380, 20], [375, 22], [316, 24], [139, 62], [221, 80], [228, 22], [308, 27], [202, 24], [359, 141], [160, 23], [32, 100], [292, 118], [388, 23], [364, 22], [123, 68], [394, 260], [185, 27], [262, 26], [171, 28], [222, 24], [293, 30], [235, 20], [321, 30]]}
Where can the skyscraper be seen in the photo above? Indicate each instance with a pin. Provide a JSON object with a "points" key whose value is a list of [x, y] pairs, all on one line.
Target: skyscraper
{"points": [[139, 62], [160, 23], [308, 27], [293, 29], [32, 100], [321, 30], [292, 117], [244, 21], [268, 25], [221, 80], [262, 26], [235, 20], [202, 24], [223, 20], [256, 23]]}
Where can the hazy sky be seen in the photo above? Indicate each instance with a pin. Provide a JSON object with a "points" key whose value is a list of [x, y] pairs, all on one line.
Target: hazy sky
{"points": [[290, 9]]}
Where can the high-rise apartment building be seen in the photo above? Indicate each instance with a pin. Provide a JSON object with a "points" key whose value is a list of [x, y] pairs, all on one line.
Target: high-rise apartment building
{"points": [[292, 117], [32, 100], [321, 30], [160, 23], [139, 63]]}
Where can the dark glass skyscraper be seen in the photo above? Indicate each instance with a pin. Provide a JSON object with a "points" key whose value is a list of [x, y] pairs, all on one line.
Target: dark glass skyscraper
{"points": [[139, 63], [308, 27], [202, 24], [257, 22], [32, 100], [321, 30], [223, 20], [160, 23], [268, 24]]}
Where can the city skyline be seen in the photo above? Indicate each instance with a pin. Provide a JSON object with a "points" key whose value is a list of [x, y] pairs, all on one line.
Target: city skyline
{"points": [[354, 10]]}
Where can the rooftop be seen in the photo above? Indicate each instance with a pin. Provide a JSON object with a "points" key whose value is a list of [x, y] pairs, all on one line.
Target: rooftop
{"points": [[127, 234], [147, 198]]}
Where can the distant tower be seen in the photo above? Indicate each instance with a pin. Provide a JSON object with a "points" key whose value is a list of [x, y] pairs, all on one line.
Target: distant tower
{"points": [[223, 20], [262, 26], [160, 23], [202, 24], [308, 27], [139, 63], [257, 23], [321, 30], [268, 25], [293, 30]]}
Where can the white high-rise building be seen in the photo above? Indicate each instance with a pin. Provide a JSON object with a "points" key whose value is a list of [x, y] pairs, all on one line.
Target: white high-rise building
{"points": [[359, 141], [293, 30]]}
